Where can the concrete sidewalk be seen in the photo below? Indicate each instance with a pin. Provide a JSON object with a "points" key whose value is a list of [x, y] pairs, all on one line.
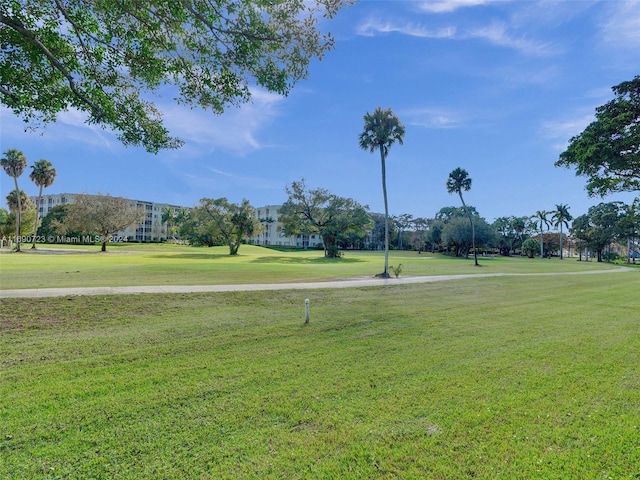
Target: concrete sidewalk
{"points": [[359, 282]]}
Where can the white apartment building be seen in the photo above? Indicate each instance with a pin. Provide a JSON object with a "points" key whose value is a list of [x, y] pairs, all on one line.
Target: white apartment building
{"points": [[151, 229], [273, 235]]}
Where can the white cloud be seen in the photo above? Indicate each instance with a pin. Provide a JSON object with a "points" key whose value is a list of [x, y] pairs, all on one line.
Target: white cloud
{"points": [[498, 34], [432, 117], [561, 131], [446, 6], [372, 27], [235, 131], [622, 26], [69, 127], [495, 33]]}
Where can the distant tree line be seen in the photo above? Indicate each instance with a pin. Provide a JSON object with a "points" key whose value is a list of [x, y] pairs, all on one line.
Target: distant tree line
{"points": [[607, 152], [343, 223]]}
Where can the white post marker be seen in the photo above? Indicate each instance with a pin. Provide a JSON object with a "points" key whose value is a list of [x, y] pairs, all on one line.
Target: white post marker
{"points": [[306, 310]]}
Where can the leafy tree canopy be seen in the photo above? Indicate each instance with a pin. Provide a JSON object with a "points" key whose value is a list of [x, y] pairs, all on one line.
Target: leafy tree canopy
{"points": [[530, 246], [447, 213], [512, 231], [102, 57], [599, 227], [457, 232], [607, 152], [217, 222], [102, 214], [318, 211], [18, 201], [27, 215]]}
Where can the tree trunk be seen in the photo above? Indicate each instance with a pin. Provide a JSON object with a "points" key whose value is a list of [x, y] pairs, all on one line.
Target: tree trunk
{"points": [[18, 215], [385, 274], [561, 241], [234, 246], [104, 246], [473, 231], [35, 225]]}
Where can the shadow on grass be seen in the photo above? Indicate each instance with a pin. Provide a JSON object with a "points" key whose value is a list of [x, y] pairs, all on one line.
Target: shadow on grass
{"points": [[266, 259], [194, 256], [298, 260]]}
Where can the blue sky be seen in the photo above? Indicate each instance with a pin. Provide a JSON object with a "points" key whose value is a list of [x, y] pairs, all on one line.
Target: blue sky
{"points": [[495, 87]]}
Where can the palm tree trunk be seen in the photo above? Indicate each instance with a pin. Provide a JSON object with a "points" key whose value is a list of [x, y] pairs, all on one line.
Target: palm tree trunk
{"points": [[35, 224], [541, 243], [560, 241], [18, 215], [473, 231], [385, 274]]}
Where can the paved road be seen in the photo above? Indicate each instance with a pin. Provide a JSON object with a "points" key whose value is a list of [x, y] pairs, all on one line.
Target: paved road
{"points": [[359, 282]]}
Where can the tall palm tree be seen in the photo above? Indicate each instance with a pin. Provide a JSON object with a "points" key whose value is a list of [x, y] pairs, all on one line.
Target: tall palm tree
{"points": [[14, 162], [181, 220], [381, 130], [540, 219], [457, 182], [169, 217], [561, 216], [43, 175], [17, 201]]}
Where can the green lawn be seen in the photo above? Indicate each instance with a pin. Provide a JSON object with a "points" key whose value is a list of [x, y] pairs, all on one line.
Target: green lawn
{"points": [[135, 264], [512, 377]]}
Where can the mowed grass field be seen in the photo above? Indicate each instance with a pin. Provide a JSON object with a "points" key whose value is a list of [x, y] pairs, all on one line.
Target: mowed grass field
{"points": [[136, 264], [522, 377]]}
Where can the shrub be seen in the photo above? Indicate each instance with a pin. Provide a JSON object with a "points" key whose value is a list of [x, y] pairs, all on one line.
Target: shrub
{"points": [[396, 270], [530, 247]]}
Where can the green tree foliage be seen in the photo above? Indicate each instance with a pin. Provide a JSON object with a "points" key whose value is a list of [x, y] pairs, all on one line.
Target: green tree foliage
{"points": [[541, 220], [629, 227], [5, 227], [420, 233], [182, 223], [607, 152], [434, 235], [104, 57], [599, 227], [169, 217], [381, 130], [317, 211], [530, 246], [13, 163], [23, 206], [53, 224], [604, 219], [580, 231], [43, 175], [402, 223], [219, 222], [512, 231], [103, 215], [560, 217], [457, 233], [377, 236], [457, 182], [18, 202]]}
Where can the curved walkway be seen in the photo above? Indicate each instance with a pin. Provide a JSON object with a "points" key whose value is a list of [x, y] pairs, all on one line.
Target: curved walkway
{"points": [[360, 282]]}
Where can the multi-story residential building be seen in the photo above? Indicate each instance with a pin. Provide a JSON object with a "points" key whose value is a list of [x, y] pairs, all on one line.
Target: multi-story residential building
{"points": [[151, 229], [273, 235]]}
